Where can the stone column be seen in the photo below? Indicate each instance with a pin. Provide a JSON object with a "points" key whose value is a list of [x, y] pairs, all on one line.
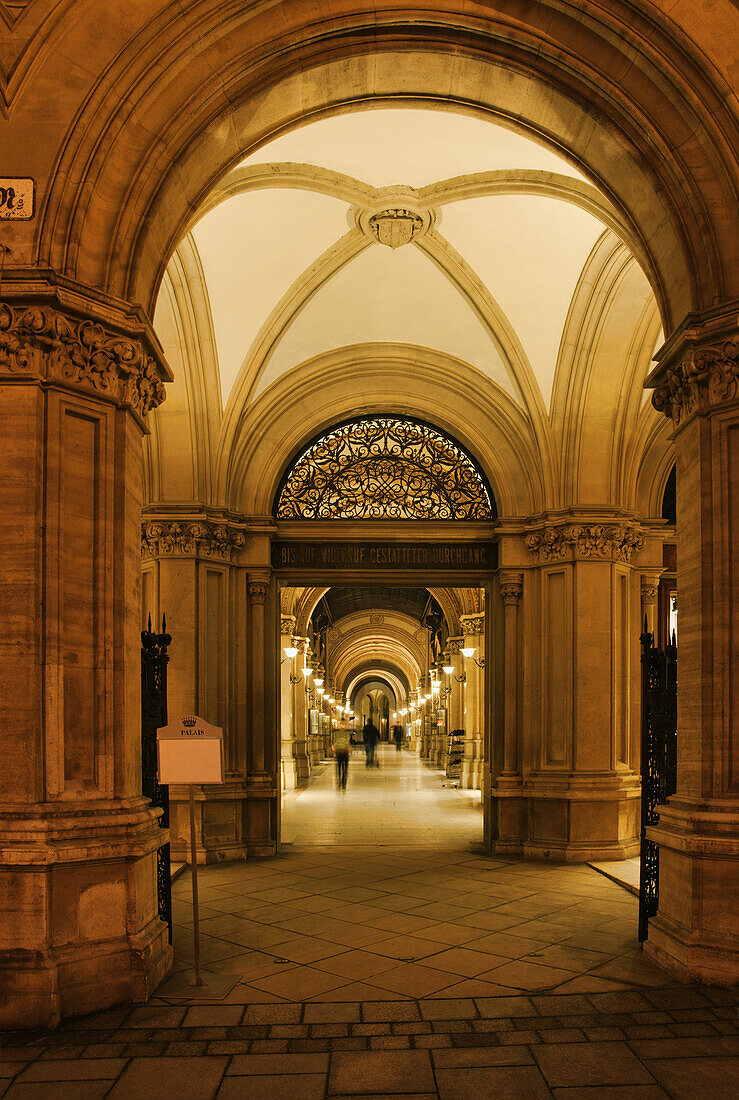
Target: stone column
{"points": [[189, 562], [287, 703], [649, 594], [694, 932], [579, 692], [473, 629], [455, 703], [79, 928], [261, 783], [296, 764]]}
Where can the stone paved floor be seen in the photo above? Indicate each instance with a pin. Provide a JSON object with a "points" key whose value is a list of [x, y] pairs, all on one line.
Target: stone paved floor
{"points": [[400, 970]]}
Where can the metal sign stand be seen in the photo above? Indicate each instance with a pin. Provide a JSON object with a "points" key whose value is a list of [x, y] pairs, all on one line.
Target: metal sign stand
{"points": [[182, 761]]}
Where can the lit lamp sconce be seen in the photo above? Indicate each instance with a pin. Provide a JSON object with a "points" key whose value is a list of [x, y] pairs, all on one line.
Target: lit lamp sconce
{"points": [[467, 652], [447, 689], [291, 653]]}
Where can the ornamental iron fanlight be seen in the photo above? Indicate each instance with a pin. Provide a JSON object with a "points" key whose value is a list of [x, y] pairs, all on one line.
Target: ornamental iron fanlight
{"points": [[384, 467]]}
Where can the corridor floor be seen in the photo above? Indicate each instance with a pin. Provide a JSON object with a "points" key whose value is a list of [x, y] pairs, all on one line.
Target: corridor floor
{"points": [[379, 965], [401, 802]]}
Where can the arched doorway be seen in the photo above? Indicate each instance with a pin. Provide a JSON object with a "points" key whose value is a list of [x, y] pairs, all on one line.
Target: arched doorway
{"points": [[81, 360]]}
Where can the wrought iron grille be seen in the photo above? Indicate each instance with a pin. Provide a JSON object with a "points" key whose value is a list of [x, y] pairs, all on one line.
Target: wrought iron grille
{"points": [[154, 661], [385, 467], [658, 760]]}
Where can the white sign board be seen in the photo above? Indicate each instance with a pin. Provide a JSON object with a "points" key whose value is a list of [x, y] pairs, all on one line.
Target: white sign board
{"points": [[190, 750], [16, 199]]}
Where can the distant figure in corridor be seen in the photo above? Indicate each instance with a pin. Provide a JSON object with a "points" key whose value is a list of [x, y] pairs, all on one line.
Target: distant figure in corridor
{"points": [[398, 737], [341, 755], [371, 736]]}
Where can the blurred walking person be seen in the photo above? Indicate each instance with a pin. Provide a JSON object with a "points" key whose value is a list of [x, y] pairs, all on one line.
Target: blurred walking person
{"points": [[341, 755], [398, 737], [371, 736]]}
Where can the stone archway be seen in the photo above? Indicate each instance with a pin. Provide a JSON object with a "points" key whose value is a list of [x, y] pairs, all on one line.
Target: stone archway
{"points": [[624, 90]]}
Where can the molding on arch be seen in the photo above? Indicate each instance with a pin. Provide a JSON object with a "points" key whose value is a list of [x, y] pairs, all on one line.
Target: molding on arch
{"points": [[624, 87], [403, 379]]}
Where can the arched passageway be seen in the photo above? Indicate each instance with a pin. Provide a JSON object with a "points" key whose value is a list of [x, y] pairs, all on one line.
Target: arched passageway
{"points": [[154, 115]]}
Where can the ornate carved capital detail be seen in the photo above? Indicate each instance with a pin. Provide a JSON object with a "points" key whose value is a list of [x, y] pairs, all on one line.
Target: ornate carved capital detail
{"points": [[706, 375], [648, 592], [287, 625], [511, 588], [453, 645], [258, 591], [614, 541], [190, 539], [42, 342], [472, 625]]}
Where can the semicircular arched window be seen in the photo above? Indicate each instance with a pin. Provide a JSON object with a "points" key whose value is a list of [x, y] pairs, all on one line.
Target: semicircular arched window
{"points": [[384, 467]]}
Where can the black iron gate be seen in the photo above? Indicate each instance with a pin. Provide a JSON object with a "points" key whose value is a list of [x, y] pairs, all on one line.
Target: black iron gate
{"points": [[658, 760], [154, 662]]}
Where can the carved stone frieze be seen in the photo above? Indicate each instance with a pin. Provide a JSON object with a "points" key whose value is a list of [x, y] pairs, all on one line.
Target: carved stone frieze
{"points": [[472, 625], [705, 376], [46, 344], [614, 541], [190, 539]]}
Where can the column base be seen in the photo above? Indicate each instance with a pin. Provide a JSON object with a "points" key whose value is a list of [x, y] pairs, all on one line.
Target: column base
{"points": [[219, 813], [80, 932], [260, 813], [693, 936], [577, 819]]}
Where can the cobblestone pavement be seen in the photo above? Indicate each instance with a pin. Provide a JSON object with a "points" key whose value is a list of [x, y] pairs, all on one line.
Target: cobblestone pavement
{"points": [[674, 1042]]}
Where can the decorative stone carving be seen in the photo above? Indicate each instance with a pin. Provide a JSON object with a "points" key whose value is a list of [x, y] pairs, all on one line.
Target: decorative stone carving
{"points": [[395, 227], [43, 342], [453, 645], [287, 625], [188, 539], [377, 618], [705, 376], [511, 591], [648, 593], [472, 625], [258, 591], [590, 540]]}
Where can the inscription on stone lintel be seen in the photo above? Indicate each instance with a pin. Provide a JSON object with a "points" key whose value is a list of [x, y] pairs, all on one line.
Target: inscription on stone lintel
{"points": [[384, 555]]}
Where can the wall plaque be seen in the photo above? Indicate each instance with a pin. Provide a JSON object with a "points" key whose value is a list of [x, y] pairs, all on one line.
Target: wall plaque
{"points": [[450, 556], [16, 199]]}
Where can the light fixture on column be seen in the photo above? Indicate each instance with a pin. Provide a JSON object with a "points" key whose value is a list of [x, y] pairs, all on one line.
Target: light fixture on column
{"points": [[469, 651], [291, 653], [318, 682], [447, 689]]}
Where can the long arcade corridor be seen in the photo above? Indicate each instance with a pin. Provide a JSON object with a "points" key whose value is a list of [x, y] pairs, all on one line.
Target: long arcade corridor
{"points": [[402, 802]]}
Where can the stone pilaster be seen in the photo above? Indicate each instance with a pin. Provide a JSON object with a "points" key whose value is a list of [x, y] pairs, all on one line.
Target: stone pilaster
{"points": [[261, 781], [78, 923], [473, 629], [697, 385], [189, 561], [295, 762], [579, 677], [649, 594]]}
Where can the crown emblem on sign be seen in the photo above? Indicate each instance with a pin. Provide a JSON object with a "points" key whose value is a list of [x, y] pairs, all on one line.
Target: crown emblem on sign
{"points": [[189, 721]]}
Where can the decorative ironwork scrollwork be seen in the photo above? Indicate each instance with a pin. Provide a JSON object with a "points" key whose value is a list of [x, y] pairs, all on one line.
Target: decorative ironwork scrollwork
{"points": [[385, 467]]}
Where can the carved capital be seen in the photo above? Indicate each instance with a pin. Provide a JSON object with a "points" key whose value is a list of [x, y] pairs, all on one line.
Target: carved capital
{"points": [[648, 593], [614, 541], [511, 588], [43, 343], [705, 376], [258, 591], [453, 645], [287, 625], [190, 539], [472, 625]]}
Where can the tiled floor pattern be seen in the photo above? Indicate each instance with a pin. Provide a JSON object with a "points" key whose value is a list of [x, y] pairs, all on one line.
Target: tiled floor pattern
{"points": [[417, 969], [678, 1043], [401, 801]]}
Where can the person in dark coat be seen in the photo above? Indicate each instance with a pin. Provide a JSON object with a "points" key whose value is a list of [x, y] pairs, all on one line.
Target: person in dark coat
{"points": [[371, 736], [398, 737]]}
